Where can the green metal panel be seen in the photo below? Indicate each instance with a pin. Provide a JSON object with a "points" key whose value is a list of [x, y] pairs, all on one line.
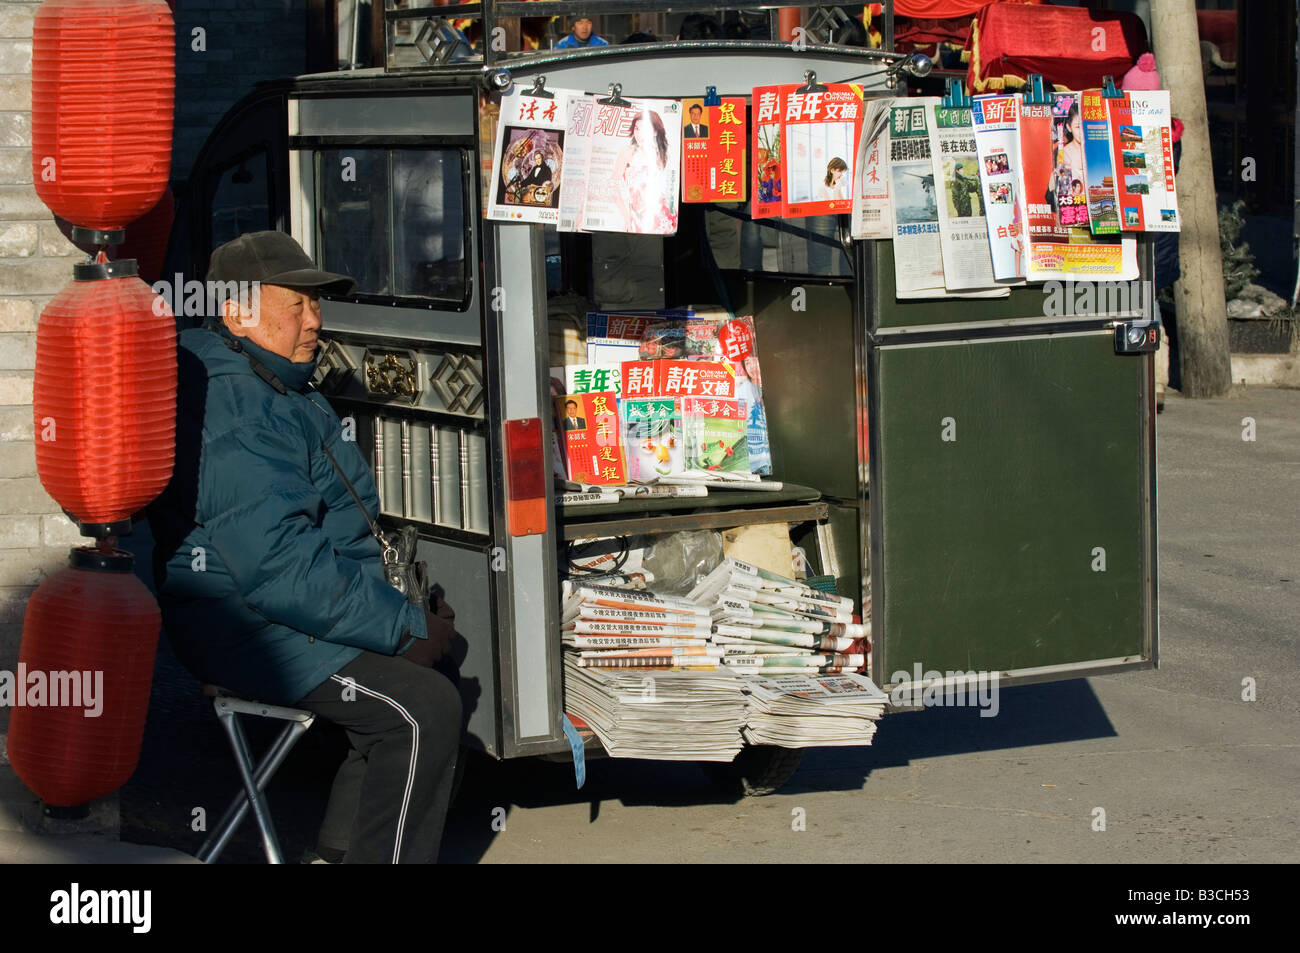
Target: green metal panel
{"points": [[809, 387], [989, 540]]}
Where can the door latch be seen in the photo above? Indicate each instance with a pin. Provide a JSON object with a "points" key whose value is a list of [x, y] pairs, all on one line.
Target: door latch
{"points": [[1137, 337]]}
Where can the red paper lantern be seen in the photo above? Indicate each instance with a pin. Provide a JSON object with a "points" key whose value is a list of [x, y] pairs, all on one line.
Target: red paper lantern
{"points": [[102, 99], [104, 403], [89, 637], [147, 236]]}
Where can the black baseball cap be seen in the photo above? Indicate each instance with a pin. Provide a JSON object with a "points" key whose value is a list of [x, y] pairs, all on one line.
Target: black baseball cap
{"points": [[273, 258]]}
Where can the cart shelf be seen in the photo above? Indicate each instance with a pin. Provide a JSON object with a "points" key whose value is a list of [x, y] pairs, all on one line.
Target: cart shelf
{"points": [[720, 509]]}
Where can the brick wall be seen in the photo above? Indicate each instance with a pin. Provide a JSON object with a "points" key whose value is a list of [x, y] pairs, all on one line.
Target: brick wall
{"points": [[246, 41], [35, 262]]}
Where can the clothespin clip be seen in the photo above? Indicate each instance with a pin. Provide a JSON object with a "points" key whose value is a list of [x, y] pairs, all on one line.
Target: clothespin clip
{"points": [[956, 97], [1108, 90], [539, 89], [711, 97], [810, 84], [1034, 96], [615, 97]]}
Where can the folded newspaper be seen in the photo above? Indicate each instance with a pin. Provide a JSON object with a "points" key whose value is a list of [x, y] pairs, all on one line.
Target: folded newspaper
{"points": [[800, 711]]}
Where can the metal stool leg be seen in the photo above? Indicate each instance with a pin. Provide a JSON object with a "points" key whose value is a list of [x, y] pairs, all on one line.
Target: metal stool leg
{"points": [[234, 815]]}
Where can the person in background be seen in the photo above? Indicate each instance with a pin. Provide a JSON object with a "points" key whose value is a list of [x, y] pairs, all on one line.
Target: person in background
{"points": [[699, 26], [581, 35]]}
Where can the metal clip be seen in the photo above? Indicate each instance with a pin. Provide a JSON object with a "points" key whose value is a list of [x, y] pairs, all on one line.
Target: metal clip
{"points": [[539, 89], [810, 84], [1108, 90], [711, 96], [615, 97], [956, 97], [1034, 95]]}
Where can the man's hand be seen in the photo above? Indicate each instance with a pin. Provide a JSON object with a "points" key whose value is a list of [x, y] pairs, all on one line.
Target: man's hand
{"points": [[442, 630]]}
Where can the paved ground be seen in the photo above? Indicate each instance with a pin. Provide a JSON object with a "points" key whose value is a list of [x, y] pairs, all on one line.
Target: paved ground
{"points": [[1183, 768]]}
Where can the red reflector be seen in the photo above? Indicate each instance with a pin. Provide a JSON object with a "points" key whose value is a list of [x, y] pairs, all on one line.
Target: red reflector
{"points": [[527, 478]]}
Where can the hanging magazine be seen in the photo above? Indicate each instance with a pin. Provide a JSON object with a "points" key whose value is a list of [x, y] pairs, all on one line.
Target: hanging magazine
{"points": [[1142, 152], [714, 141], [634, 167], [768, 174], [1099, 179], [1062, 250], [530, 158], [872, 214], [963, 229], [819, 136], [918, 260], [577, 140], [997, 138]]}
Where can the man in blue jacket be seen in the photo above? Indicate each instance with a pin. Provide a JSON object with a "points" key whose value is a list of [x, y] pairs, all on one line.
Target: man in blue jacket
{"points": [[269, 578]]}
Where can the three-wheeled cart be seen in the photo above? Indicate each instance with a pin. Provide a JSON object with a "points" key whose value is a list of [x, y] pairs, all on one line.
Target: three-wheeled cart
{"points": [[984, 470]]}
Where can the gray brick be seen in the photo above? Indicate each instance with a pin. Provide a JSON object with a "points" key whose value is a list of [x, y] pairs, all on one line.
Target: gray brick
{"points": [[54, 244], [26, 495], [17, 460], [15, 166], [20, 532], [19, 239], [17, 351], [15, 129], [60, 532], [15, 388], [34, 277], [16, 20], [16, 424], [17, 314], [16, 56], [27, 567], [16, 92], [20, 203]]}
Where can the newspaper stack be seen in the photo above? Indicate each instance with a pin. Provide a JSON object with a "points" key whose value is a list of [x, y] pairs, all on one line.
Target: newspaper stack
{"points": [[764, 621], [799, 711], [611, 628], [663, 714]]}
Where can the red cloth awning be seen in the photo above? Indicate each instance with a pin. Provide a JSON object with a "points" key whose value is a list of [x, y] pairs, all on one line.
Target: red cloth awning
{"points": [[943, 9], [1072, 47]]}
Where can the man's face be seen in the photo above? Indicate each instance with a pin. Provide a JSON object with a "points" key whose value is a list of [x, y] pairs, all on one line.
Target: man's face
{"points": [[286, 322], [572, 410], [696, 112], [582, 28]]}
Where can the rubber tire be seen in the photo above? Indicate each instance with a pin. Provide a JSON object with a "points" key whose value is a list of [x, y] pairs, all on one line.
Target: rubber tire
{"points": [[759, 770]]}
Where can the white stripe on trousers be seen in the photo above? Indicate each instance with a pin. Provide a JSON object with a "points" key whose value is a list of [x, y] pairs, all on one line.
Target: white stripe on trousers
{"points": [[415, 751]]}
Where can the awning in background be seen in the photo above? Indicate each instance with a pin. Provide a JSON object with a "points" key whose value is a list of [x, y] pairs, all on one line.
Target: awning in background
{"points": [[1072, 47], [942, 9]]}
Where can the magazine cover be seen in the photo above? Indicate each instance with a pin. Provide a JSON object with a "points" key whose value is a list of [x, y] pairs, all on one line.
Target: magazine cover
{"points": [[1069, 194], [820, 138], [633, 168], [614, 338], [678, 379], [714, 140], [731, 341], [592, 449], [577, 140], [1099, 178], [997, 138], [589, 378], [529, 158], [768, 177], [872, 216], [918, 259], [963, 229], [652, 437], [1142, 152], [715, 435], [1060, 251]]}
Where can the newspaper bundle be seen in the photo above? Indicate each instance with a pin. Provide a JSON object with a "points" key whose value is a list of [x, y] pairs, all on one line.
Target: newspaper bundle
{"points": [[799, 711]]}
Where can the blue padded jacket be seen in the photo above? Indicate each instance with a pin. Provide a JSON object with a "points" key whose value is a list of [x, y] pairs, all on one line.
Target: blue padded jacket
{"points": [[268, 577]]}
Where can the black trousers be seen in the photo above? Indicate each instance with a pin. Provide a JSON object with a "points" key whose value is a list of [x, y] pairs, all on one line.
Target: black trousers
{"points": [[390, 797]]}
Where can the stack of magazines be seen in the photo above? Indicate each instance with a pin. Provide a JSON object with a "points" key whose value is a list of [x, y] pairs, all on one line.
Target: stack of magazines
{"points": [[798, 711], [665, 714], [765, 622], [611, 628]]}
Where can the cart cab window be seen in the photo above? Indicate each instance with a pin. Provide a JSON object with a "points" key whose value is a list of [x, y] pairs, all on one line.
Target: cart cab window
{"points": [[395, 220]]}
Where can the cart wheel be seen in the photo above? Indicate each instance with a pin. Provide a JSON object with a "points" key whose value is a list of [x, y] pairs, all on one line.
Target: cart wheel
{"points": [[757, 771]]}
